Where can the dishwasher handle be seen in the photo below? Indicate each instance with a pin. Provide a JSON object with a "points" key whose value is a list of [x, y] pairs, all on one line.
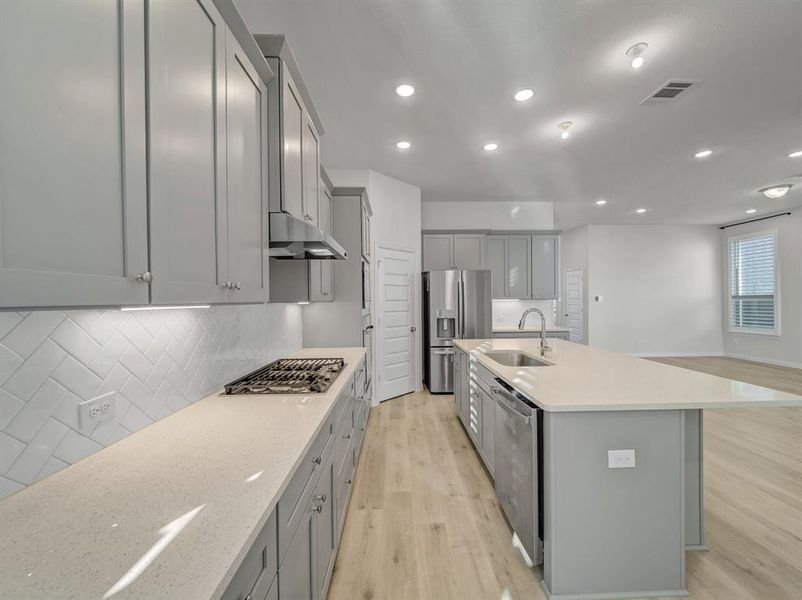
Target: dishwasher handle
{"points": [[503, 400]]}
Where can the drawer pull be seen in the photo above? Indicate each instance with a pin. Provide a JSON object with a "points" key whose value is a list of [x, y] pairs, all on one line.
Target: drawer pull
{"points": [[318, 509], [317, 460], [322, 497], [348, 481], [347, 436]]}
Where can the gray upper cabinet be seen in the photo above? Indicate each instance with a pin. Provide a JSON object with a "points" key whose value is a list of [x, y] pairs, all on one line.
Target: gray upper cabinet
{"points": [[188, 230], [453, 251], [73, 204], [290, 168], [508, 257], [246, 177], [545, 252], [321, 272], [311, 171]]}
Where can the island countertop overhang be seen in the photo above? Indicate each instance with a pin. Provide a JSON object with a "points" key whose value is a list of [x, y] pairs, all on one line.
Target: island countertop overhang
{"points": [[584, 378]]}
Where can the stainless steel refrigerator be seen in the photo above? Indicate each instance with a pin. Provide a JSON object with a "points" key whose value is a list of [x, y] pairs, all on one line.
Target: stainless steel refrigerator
{"points": [[456, 305]]}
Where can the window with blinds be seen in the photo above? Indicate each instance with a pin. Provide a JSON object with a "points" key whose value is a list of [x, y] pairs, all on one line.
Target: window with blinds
{"points": [[753, 282]]}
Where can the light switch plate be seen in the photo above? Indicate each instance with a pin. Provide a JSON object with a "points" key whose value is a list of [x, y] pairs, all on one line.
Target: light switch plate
{"points": [[94, 411], [620, 459]]}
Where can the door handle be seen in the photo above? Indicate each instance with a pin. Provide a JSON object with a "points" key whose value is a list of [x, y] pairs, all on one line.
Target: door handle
{"points": [[413, 329]]}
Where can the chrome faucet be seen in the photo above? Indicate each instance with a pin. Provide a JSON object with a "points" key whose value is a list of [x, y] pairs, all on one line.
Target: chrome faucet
{"points": [[544, 345]]}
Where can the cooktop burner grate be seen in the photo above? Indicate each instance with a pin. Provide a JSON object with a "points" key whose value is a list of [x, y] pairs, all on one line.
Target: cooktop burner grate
{"points": [[289, 376]]}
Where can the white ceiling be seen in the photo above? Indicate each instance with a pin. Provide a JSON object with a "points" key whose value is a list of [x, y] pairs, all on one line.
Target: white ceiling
{"points": [[467, 57]]}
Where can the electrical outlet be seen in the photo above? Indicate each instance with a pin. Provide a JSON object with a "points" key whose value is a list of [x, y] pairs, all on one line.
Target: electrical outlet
{"points": [[620, 459], [94, 411]]}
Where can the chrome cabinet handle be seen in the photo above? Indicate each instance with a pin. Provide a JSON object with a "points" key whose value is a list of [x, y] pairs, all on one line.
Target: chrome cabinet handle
{"points": [[322, 498], [347, 437], [227, 285], [318, 509], [145, 277], [348, 481], [316, 460], [237, 286]]}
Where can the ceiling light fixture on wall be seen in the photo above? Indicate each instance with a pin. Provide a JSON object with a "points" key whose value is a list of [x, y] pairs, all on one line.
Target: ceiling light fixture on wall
{"points": [[524, 94], [403, 145], [564, 127], [795, 154], [601, 202], [751, 211], [776, 191], [405, 90], [640, 211], [490, 146], [636, 54], [703, 154]]}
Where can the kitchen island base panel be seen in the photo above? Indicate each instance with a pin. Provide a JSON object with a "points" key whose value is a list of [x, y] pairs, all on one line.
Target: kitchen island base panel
{"points": [[614, 596], [614, 533]]}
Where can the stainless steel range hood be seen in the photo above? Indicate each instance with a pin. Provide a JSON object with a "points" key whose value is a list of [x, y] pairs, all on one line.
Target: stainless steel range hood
{"points": [[294, 239]]}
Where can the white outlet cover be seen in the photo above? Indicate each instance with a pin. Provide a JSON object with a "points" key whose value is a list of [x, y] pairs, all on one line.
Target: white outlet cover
{"points": [[620, 459], [90, 412]]}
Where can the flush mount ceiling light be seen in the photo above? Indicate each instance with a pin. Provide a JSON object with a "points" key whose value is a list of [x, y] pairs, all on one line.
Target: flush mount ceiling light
{"points": [[601, 202], [640, 211], [564, 127], [405, 90], [776, 191], [636, 54], [403, 145], [703, 154], [490, 146], [524, 94], [795, 154], [751, 211]]}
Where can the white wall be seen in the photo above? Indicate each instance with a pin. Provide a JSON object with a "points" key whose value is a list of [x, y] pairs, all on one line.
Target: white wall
{"points": [[488, 215], [156, 362], [396, 221], [661, 289], [785, 349]]}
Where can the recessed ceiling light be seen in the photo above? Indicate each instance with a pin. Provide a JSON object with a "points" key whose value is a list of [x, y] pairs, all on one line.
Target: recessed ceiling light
{"points": [[776, 191], [490, 146], [403, 145], [601, 202], [703, 154], [564, 127], [640, 211], [405, 90], [636, 54], [751, 211], [524, 94], [795, 154]]}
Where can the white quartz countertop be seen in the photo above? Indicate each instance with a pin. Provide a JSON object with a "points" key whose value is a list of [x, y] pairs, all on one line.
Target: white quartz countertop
{"points": [[583, 378], [528, 329], [168, 512]]}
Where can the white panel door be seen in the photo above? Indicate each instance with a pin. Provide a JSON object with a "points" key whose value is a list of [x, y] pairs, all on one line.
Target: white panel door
{"points": [[574, 316], [73, 203], [396, 307]]}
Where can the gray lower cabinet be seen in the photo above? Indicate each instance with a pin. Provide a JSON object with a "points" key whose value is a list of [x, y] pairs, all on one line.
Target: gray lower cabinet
{"points": [[256, 575], [475, 405], [73, 198], [327, 531], [297, 577], [488, 430]]}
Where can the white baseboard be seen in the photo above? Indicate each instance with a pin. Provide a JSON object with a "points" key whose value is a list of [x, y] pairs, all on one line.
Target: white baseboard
{"points": [[762, 359], [675, 354]]}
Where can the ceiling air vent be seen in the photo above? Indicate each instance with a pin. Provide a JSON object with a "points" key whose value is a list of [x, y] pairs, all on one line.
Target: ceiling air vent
{"points": [[668, 91]]}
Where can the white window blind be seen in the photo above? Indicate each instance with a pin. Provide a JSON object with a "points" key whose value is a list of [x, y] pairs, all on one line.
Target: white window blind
{"points": [[753, 280]]}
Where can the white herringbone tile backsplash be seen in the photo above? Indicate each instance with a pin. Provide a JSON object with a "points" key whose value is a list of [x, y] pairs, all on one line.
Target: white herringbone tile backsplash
{"points": [[155, 361]]}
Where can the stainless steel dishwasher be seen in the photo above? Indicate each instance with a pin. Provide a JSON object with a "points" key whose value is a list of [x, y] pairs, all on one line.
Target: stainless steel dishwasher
{"points": [[519, 466]]}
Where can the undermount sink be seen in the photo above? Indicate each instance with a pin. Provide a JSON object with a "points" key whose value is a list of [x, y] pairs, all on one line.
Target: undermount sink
{"points": [[513, 358]]}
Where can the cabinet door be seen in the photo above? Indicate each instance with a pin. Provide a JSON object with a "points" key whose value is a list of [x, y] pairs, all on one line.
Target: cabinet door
{"points": [[518, 270], [365, 233], [544, 266], [246, 129], [296, 575], [326, 524], [465, 390], [438, 252], [292, 123], [457, 375], [321, 280], [73, 212], [188, 152], [469, 251], [497, 263], [311, 170], [324, 209], [475, 413], [488, 431]]}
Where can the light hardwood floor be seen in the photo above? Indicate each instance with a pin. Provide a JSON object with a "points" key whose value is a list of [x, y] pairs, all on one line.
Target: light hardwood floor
{"points": [[424, 522]]}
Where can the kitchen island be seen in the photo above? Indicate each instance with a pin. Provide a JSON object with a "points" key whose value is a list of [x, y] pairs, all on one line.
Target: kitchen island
{"points": [[174, 510], [611, 525]]}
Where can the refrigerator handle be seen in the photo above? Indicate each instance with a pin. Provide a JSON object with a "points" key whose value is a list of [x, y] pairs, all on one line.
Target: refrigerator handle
{"points": [[461, 308]]}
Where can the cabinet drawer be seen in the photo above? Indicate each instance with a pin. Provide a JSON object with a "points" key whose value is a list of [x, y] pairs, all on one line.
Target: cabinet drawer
{"points": [[344, 437], [258, 569], [482, 376], [344, 485]]}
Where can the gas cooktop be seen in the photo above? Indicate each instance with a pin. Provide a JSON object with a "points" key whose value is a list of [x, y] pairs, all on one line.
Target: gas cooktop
{"points": [[289, 376]]}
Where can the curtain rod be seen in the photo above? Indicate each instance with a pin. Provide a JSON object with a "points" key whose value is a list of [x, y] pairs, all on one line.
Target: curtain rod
{"points": [[783, 214]]}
